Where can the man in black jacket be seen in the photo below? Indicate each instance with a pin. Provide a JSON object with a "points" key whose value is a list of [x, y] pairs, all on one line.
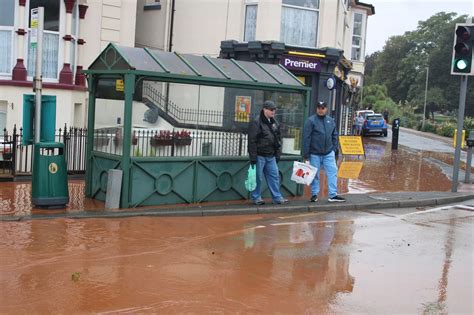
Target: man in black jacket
{"points": [[320, 143], [264, 146]]}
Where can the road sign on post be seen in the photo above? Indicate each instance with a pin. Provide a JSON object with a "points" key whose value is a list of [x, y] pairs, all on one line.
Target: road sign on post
{"points": [[462, 61]]}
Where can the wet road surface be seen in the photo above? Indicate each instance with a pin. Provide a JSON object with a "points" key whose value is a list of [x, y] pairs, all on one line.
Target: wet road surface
{"points": [[395, 261], [382, 170]]}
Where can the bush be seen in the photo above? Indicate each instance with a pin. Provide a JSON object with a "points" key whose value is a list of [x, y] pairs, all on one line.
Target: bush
{"points": [[468, 125], [429, 127], [446, 129]]}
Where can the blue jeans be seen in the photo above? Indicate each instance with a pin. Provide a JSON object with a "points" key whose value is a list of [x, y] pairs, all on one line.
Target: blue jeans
{"points": [[267, 166], [328, 162]]}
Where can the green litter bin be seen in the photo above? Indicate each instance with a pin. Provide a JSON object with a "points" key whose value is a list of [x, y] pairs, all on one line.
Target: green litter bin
{"points": [[50, 186]]}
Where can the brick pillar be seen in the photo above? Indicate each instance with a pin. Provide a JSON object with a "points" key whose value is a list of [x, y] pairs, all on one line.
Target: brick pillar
{"points": [[80, 77], [19, 71], [65, 76]]}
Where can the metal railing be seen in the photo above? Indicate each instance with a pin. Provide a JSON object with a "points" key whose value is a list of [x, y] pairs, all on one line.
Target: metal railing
{"points": [[169, 143], [17, 158]]}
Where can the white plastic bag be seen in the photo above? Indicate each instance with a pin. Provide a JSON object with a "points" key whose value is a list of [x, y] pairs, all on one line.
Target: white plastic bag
{"points": [[303, 173]]}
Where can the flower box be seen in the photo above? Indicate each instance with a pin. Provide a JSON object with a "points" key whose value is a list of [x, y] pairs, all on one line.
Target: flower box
{"points": [[167, 138], [7, 156], [155, 141], [183, 141]]}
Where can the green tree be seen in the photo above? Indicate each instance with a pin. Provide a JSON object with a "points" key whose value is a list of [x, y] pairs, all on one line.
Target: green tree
{"points": [[401, 66]]}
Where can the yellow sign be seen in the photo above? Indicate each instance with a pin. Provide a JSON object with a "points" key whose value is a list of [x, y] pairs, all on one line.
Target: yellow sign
{"points": [[119, 85], [301, 78], [350, 169], [242, 108], [351, 145], [53, 168], [463, 138]]}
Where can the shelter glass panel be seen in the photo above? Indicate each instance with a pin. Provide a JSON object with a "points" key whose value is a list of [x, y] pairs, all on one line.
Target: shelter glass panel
{"points": [[233, 71], [203, 66], [140, 59], [108, 125], [280, 74], [197, 120], [172, 62], [257, 72]]}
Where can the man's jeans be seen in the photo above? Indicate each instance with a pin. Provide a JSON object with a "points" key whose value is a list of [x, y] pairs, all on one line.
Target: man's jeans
{"points": [[267, 166], [328, 162]]}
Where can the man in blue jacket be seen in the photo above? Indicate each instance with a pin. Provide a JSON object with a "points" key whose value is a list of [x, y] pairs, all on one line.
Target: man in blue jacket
{"points": [[320, 143]]}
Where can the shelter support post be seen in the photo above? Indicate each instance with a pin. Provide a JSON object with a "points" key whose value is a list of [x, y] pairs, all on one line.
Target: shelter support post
{"points": [[90, 134], [127, 136]]}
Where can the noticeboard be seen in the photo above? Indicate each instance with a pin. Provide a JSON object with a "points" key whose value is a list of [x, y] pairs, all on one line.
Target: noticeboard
{"points": [[351, 145]]}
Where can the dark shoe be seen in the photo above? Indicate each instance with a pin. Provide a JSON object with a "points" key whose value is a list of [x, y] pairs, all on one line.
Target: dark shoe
{"points": [[259, 202], [336, 198], [281, 201], [314, 198]]}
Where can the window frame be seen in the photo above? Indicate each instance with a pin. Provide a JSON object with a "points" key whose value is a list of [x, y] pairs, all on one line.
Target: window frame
{"points": [[13, 49], [361, 45], [61, 33], [317, 10], [247, 5]]}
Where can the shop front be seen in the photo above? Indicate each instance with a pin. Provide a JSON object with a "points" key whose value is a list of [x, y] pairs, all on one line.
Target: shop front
{"points": [[323, 70]]}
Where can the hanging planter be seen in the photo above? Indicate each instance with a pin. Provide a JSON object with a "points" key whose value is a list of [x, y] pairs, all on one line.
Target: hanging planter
{"points": [[182, 138], [164, 138], [7, 156]]}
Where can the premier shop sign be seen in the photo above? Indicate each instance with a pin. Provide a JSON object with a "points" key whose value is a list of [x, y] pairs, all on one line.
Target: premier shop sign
{"points": [[306, 64]]}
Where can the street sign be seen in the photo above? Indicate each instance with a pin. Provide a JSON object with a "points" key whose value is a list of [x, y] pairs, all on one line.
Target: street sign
{"points": [[34, 28], [351, 145]]}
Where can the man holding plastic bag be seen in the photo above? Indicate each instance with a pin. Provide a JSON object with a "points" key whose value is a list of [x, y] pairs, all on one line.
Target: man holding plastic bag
{"points": [[303, 173], [320, 143], [264, 147]]}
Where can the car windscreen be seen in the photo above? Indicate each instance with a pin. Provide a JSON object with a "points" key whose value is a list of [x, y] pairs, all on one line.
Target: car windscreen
{"points": [[374, 117]]}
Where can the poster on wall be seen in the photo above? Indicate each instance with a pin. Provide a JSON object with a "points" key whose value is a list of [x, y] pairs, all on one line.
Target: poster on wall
{"points": [[242, 108]]}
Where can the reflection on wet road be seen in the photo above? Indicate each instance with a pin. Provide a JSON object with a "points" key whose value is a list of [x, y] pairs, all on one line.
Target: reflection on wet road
{"points": [[336, 262]]}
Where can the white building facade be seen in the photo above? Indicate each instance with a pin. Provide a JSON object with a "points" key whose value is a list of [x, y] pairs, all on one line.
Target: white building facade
{"points": [[75, 32], [198, 27]]}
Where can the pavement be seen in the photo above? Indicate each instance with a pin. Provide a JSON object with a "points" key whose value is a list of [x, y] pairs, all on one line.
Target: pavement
{"points": [[15, 199], [354, 202]]}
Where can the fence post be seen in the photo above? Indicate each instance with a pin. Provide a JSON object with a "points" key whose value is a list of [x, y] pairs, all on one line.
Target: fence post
{"points": [[14, 142], [240, 144]]}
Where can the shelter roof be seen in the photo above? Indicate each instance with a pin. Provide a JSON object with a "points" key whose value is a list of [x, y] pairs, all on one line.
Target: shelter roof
{"points": [[185, 67]]}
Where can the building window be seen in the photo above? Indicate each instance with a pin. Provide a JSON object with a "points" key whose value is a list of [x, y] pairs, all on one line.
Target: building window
{"points": [[52, 9], [7, 15], [299, 22], [357, 37], [250, 22], [74, 34]]}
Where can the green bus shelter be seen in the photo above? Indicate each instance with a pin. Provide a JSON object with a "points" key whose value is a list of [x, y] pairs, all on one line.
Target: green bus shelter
{"points": [[176, 124]]}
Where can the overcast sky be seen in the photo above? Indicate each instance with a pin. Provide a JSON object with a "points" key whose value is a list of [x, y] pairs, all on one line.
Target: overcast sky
{"points": [[395, 17]]}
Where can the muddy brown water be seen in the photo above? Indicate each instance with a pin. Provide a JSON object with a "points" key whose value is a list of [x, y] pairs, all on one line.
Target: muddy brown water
{"points": [[291, 264]]}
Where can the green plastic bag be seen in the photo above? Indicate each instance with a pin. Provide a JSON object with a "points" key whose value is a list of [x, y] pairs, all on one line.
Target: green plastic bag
{"points": [[251, 181]]}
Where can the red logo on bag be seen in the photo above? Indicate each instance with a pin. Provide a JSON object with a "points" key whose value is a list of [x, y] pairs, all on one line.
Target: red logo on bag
{"points": [[301, 173]]}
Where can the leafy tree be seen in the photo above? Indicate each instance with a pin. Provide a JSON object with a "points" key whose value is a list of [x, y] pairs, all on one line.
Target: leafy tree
{"points": [[401, 66]]}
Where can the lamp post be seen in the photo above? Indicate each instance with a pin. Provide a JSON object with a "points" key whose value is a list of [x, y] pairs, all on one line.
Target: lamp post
{"points": [[426, 94]]}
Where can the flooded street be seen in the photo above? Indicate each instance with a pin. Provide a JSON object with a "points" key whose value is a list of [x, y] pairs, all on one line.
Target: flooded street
{"points": [[329, 262], [382, 170]]}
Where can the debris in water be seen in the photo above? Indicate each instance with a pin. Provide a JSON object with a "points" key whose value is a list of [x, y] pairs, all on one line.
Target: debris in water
{"points": [[75, 276]]}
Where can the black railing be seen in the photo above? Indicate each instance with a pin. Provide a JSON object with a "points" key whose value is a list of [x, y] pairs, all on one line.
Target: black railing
{"points": [[152, 143], [17, 158]]}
